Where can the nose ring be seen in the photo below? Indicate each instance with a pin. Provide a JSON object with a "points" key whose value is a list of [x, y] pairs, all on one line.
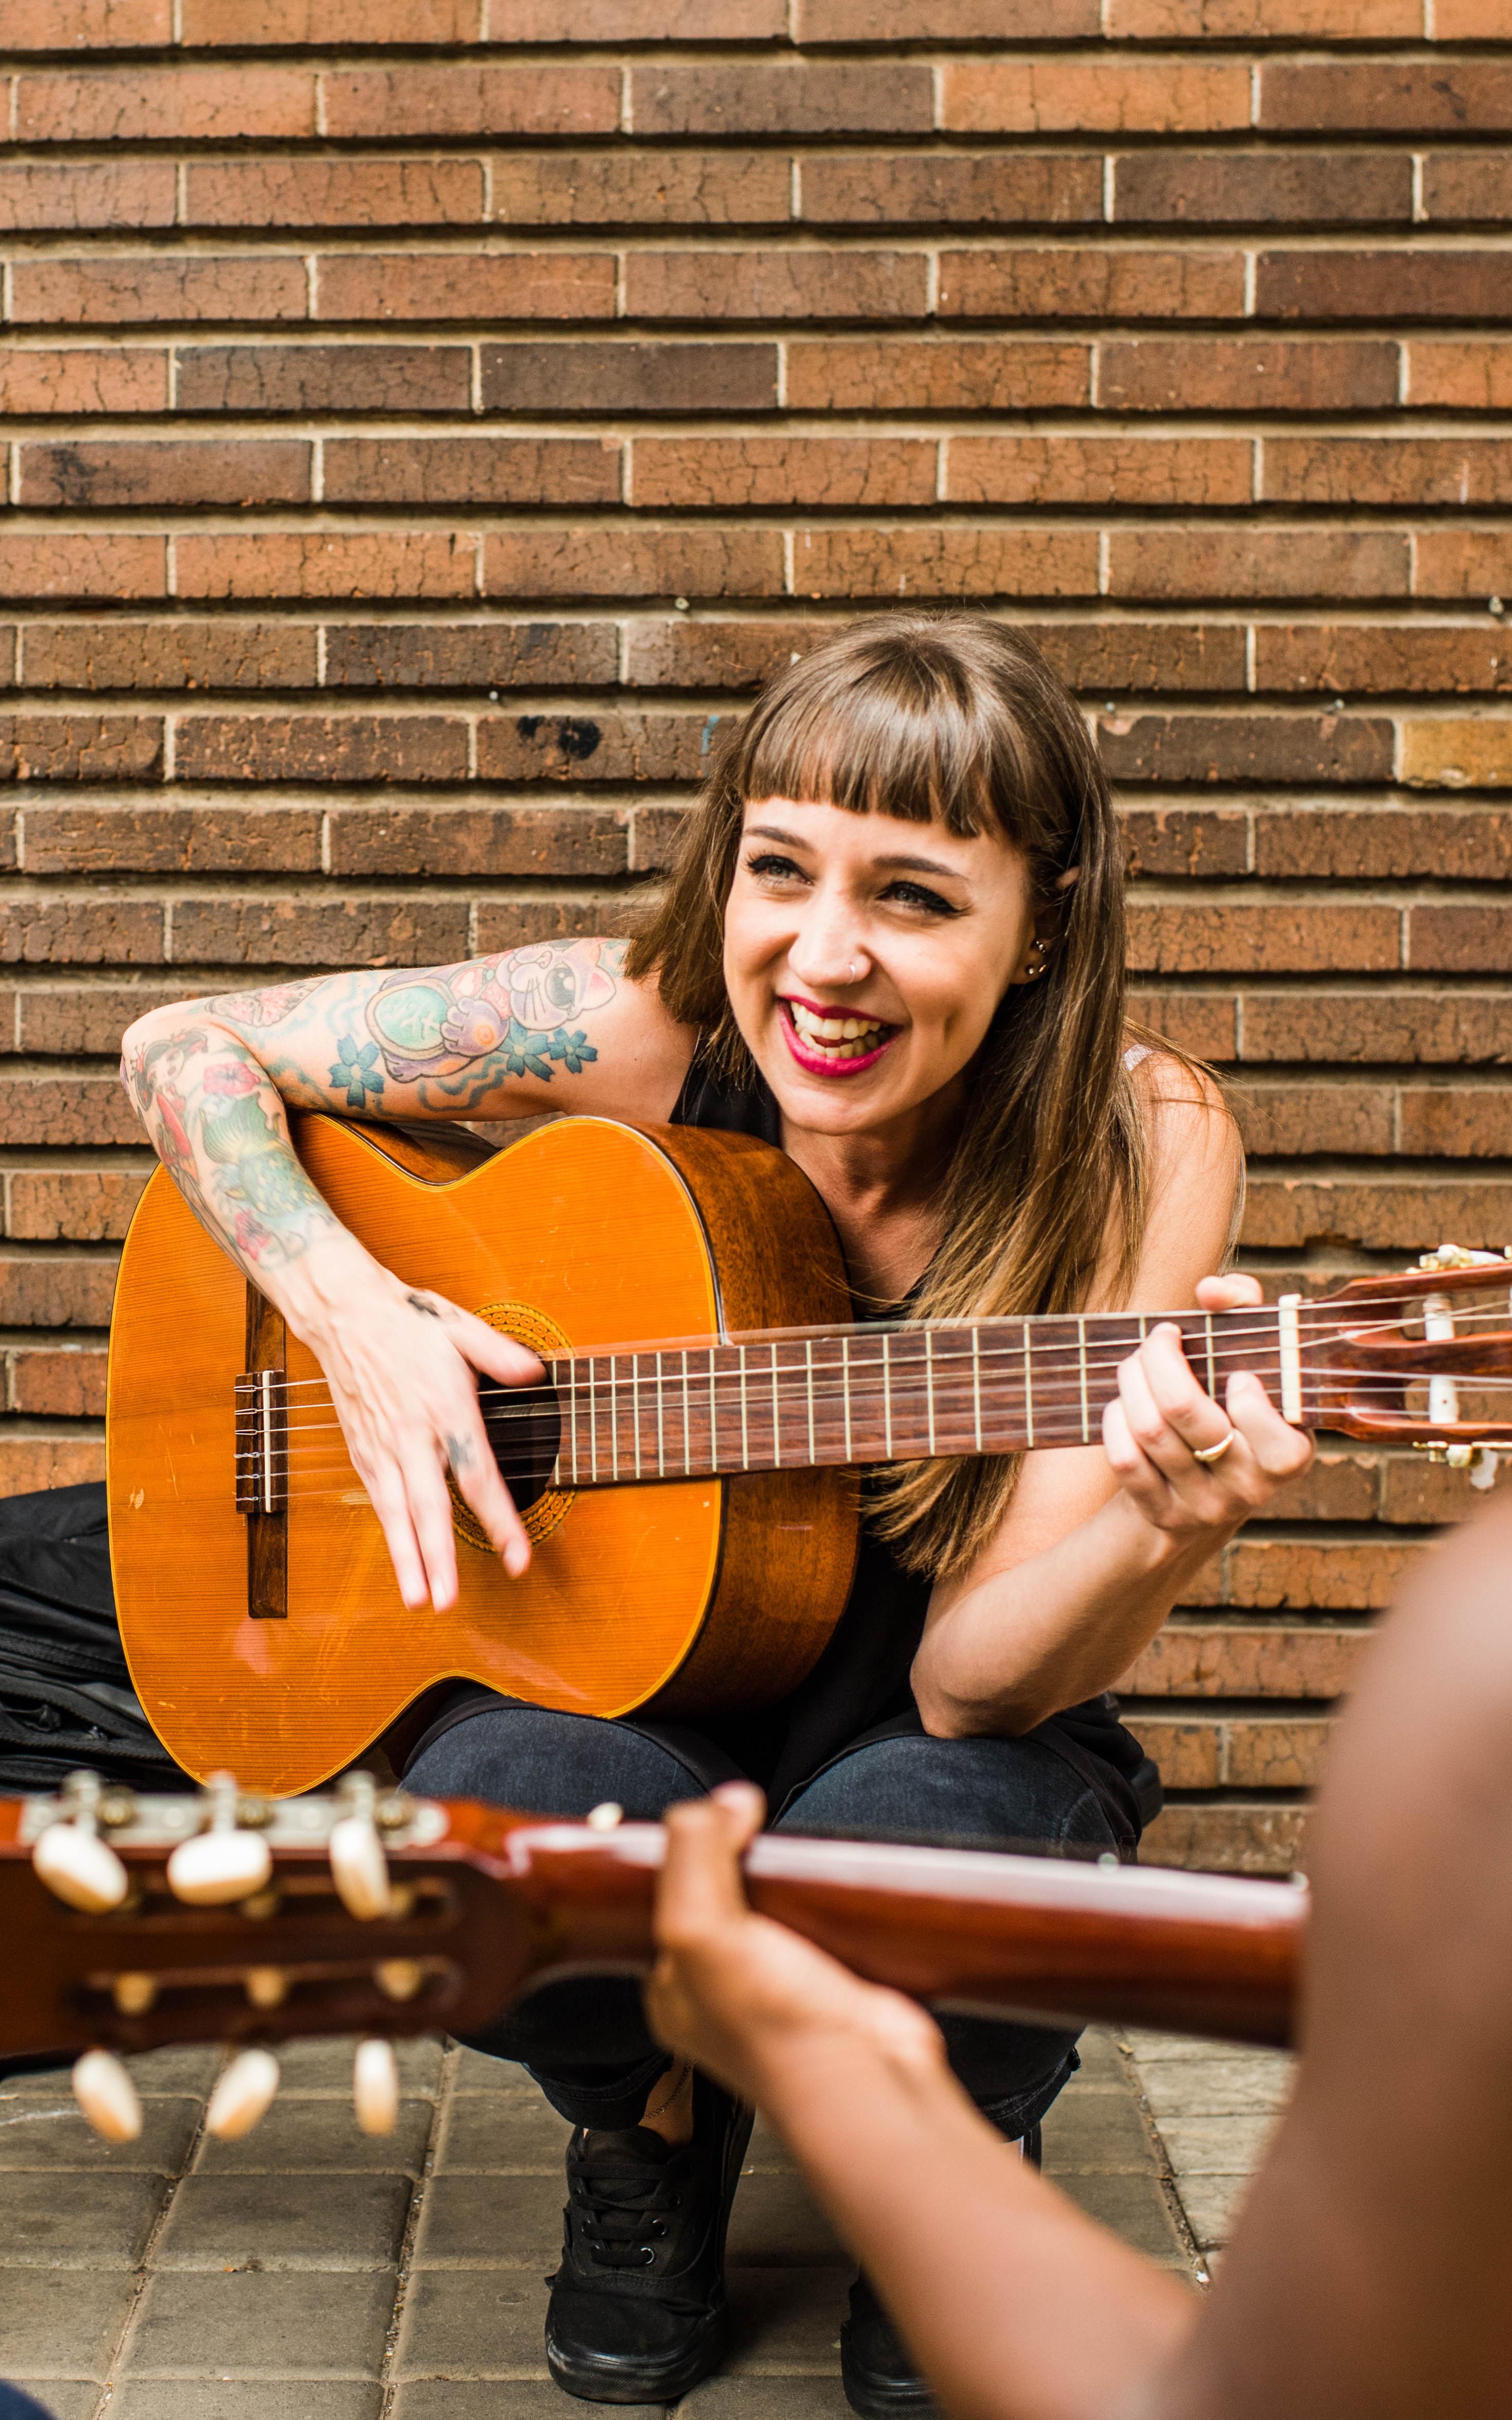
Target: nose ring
{"points": [[851, 970]]}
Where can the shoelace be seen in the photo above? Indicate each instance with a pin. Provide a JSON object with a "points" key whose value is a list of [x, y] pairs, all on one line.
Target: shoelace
{"points": [[622, 2213]]}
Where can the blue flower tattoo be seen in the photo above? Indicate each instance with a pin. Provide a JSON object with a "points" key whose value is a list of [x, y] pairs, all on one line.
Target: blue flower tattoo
{"points": [[355, 1069], [527, 1053]]}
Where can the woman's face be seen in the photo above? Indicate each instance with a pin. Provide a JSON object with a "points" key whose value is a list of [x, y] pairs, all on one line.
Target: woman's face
{"points": [[865, 956]]}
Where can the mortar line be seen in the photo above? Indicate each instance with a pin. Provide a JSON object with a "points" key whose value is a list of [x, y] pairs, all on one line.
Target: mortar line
{"points": [[388, 2383], [145, 2271]]}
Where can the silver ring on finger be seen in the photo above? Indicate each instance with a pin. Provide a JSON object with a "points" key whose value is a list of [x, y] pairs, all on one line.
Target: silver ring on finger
{"points": [[1211, 1454]]}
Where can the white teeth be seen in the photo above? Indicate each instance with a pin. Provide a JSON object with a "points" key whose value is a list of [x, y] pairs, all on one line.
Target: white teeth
{"points": [[841, 1037]]}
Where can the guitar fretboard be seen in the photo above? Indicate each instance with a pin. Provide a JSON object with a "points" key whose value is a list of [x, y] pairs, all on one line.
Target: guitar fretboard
{"points": [[869, 1394]]}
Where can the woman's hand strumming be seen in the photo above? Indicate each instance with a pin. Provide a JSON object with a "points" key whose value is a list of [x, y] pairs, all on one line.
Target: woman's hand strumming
{"points": [[1162, 1423], [403, 1368]]}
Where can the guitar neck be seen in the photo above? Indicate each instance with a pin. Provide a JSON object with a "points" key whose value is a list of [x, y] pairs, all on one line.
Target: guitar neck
{"points": [[901, 1392]]}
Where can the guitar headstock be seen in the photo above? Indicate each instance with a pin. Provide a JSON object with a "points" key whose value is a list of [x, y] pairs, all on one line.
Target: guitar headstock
{"points": [[1423, 1357], [136, 1921]]}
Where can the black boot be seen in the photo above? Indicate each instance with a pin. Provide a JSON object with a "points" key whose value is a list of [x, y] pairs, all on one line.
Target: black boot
{"points": [[878, 2375], [638, 2308]]}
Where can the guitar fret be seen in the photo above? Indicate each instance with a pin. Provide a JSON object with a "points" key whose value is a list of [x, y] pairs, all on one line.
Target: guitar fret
{"points": [[808, 1356], [777, 1418], [687, 1425], [613, 1420], [714, 1417], [745, 1439], [1028, 1386], [845, 1389], [1086, 1409], [593, 1416], [661, 1458], [635, 1400], [975, 1385], [572, 1412], [928, 1381], [887, 1395], [1213, 1368]]}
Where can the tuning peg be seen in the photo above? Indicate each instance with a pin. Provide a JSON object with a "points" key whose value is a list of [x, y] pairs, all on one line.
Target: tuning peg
{"points": [[222, 1862], [243, 2094], [605, 1818], [134, 1993], [375, 2088], [107, 2096], [398, 1978], [267, 1987], [77, 1866], [359, 1867]]}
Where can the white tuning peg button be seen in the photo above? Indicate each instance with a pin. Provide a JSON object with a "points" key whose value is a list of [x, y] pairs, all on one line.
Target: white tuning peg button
{"points": [[243, 2094], [359, 1867], [224, 1862], [80, 1869], [375, 2088], [107, 2096]]}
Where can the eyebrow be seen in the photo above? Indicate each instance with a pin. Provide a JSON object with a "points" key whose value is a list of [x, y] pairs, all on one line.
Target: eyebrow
{"points": [[887, 865]]}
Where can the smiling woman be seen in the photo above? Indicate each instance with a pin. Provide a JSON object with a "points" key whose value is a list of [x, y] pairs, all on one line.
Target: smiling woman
{"points": [[892, 948]]}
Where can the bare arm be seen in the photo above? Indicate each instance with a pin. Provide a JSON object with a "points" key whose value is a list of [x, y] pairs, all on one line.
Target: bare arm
{"points": [[1100, 1542], [495, 1037]]}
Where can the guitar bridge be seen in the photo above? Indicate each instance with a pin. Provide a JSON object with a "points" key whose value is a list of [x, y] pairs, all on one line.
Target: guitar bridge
{"points": [[262, 1443], [262, 1460]]}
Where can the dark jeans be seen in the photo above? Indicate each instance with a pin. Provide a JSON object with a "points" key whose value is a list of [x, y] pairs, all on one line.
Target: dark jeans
{"points": [[586, 2042]]}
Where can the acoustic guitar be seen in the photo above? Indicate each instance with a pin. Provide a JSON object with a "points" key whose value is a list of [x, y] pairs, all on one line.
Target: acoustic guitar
{"points": [[686, 1469]]}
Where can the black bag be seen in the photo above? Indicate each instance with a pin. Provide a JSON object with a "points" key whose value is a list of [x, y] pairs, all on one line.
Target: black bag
{"points": [[66, 1695]]}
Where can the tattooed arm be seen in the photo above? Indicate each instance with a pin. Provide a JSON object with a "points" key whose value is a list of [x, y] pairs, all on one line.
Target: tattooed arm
{"points": [[493, 1038]]}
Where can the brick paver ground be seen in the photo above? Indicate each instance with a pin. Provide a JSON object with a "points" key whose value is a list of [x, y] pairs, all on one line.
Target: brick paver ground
{"points": [[310, 2273]]}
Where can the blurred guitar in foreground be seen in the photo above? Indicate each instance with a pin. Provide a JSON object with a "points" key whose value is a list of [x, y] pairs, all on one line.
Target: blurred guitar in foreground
{"points": [[135, 1922]]}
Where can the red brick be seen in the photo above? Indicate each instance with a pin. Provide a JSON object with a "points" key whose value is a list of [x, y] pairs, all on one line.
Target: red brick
{"points": [[578, 843], [469, 655], [1472, 20], [241, 930], [944, 562], [110, 473], [1260, 188], [945, 21], [1459, 939], [80, 654], [1463, 563], [1280, 1753], [1386, 96], [324, 378], [1298, 1120], [88, 193], [641, 21], [1419, 1492], [1099, 471], [67, 1112], [1379, 1215], [507, 924], [81, 747], [56, 1293], [464, 286], [1201, 1023], [683, 654], [793, 97], [1188, 1753], [615, 560], [642, 189], [1164, 841], [244, 23], [124, 289], [655, 832], [1088, 283], [887, 188], [328, 192], [1266, 21], [323, 563], [1245, 748], [1180, 563], [1384, 844], [79, 931], [1457, 752], [1385, 285], [179, 104], [1385, 470], [88, 24], [35, 381], [594, 746], [583, 375], [1201, 1660], [29, 1463], [1095, 657], [1457, 1124], [53, 1384], [71, 1021], [1079, 96], [469, 102], [1362, 656], [74, 1206], [721, 472], [1335, 1575], [214, 839], [1474, 186], [321, 748], [949, 374], [1449, 1027], [1231, 1839], [1469, 376], [776, 284], [471, 470], [1246, 374], [1286, 937], [96, 564]]}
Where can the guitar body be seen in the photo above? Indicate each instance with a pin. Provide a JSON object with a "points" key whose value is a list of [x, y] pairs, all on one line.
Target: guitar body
{"points": [[681, 1596]]}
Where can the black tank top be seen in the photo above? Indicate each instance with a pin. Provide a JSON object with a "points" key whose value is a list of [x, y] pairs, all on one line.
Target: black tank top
{"points": [[860, 1688]]}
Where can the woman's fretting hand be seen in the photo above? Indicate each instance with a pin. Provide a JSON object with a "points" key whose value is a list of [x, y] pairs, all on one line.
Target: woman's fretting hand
{"points": [[403, 1368], [1162, 1418]]}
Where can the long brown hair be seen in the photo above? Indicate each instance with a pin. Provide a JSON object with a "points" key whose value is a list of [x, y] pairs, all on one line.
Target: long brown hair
{"points": [[958, 720]]}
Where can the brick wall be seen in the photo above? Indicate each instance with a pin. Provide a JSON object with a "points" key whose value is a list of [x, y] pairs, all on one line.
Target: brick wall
{"points": [[415, 452]]}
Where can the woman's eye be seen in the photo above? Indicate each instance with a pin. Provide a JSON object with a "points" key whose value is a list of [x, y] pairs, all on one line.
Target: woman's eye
{"points": [[914, 894], [773, 869]]}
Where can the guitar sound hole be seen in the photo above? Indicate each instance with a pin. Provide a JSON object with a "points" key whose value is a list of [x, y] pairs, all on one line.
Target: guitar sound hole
{"points": [[524, 1426]]}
